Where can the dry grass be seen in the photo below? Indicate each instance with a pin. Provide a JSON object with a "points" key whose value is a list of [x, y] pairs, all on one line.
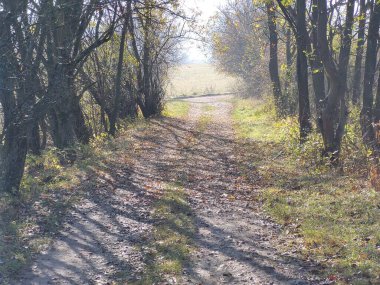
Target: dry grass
{"points": [[198, 79]]}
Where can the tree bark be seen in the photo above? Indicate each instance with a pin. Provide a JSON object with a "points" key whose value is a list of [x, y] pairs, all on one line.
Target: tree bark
{"points": [[317, 71], [366, 115], [356, 82], [117, 97], [34, 140], [334, 113], [273, 57], [302, 72]]}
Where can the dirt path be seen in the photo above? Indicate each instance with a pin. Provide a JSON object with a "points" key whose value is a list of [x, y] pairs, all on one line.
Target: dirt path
{"points": [[104, 237]]}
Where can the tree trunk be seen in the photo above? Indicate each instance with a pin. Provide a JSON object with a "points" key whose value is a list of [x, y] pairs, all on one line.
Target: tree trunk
{"points": [[15, 146], [34, 141], [302, 72], [66, 119], [317, 71], [117, 98], [334, 113], [13, 155], [273, 57], [82, 131], [366, 115], [44, 131], [356, 82]]}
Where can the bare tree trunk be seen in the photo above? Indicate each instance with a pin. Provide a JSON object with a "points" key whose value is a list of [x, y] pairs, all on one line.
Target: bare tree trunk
{"points": [[302, 72], [273, 57], [366, 116], [117, 98], [290, 107], [82, 131], [334, 113], [44, 131], [359, 54], [34, 141], [317, 71]]}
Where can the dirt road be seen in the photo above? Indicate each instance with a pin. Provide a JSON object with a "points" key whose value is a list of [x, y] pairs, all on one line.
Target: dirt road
{"points": [[103, 238]]}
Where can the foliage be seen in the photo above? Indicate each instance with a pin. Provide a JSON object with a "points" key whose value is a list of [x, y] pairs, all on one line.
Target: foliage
{"points": [[238, 44]]}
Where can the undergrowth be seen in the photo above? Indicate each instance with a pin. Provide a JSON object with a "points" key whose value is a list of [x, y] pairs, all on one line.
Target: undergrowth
{"points": [[334, 216]]}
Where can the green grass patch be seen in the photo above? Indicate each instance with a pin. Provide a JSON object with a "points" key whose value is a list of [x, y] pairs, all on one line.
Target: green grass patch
{"points": [[255, 120], [171, 244], [334, 218], [176, 109]]}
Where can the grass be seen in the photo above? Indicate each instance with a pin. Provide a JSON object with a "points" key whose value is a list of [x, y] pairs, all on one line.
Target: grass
{"points": [[171, 243], [256, 120], [334, 218], [198, 79], [176, 109]]}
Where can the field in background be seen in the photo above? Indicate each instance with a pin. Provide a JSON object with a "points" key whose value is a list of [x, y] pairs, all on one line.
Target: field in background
{"points": [[198, 79]]}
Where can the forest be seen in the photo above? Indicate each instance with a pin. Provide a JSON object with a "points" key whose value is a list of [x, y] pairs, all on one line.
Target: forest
{"points": [[107, 177]]}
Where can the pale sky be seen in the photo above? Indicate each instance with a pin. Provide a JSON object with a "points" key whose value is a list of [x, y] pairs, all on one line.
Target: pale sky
{"points": [[208, 9]]}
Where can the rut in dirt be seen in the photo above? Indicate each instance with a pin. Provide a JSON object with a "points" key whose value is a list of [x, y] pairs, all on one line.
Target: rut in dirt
{"points": [[104, 236]]}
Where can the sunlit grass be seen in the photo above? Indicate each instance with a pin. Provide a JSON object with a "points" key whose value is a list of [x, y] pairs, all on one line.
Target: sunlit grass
{"points": [[176, 109], [255, 120], [335, 217]]}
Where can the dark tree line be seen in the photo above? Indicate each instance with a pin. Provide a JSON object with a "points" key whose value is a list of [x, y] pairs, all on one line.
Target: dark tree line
{"points": [[57, 56]]}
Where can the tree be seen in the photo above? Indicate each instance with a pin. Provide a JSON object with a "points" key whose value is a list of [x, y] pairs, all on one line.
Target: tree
{"points": [[67, 23], [273, 58], [117, 98], [20, 57], [302, 71], [334, 112], [155, 34], [367, 115], [297, 21], [359, 54]]}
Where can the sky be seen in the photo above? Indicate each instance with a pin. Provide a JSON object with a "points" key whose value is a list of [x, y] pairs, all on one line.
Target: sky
{"points": [[193, 53]]}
